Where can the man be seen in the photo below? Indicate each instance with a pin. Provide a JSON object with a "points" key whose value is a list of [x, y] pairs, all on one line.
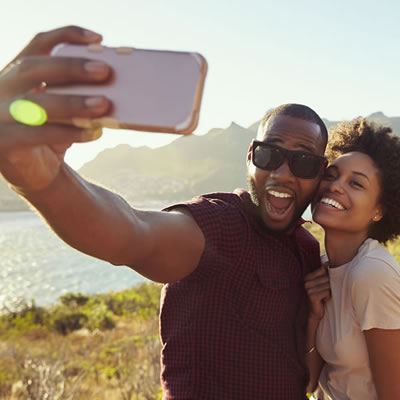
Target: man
{"points": [[233, 311]]}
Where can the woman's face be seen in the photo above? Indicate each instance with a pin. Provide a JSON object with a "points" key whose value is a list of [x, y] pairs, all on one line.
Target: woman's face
{"points": [[348, 196]]}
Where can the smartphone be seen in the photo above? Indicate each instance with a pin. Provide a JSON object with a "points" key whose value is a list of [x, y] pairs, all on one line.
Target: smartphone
{"points": [[151, 90]]}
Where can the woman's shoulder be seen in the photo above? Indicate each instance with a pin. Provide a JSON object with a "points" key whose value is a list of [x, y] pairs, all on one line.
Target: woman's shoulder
{"points": [[375, 288], [374, 264]]}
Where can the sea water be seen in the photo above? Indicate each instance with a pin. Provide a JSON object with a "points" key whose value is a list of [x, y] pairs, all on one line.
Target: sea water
{"points": [[36, 265]]}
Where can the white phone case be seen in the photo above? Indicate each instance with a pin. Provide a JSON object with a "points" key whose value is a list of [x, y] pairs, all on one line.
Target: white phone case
{"points": [[151, 90]]}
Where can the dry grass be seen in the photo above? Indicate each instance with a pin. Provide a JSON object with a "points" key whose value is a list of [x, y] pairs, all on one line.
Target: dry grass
{"points": [[39, 363], [122, 363]]}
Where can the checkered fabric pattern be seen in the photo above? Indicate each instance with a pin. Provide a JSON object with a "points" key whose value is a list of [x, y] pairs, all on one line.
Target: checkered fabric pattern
{"points": [[234, 329]]}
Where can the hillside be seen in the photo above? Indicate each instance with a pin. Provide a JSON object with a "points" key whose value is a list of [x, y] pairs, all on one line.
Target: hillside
{"points": [[189, 166]]}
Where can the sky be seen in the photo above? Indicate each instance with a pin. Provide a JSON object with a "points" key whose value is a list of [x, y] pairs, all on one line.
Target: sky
{"points": [[339, 57]]}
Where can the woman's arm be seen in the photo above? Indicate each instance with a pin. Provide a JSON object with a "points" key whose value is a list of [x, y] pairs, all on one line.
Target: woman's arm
{"points": [[313, 359], [384, 355]]}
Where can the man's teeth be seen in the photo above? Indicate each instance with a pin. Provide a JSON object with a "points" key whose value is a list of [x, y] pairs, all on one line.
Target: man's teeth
{"points": [[279, 194], [332, 203]]}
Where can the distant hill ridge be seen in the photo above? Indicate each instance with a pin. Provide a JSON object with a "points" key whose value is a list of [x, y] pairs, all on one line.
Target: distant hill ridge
{"points": [[189, 166]]}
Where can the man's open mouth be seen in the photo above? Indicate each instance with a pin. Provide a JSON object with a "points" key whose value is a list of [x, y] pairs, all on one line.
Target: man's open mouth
{"points": [[279, 203]]}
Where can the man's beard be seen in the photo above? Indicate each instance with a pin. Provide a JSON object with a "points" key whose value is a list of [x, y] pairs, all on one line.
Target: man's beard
{"points": [[299, 210], [253, 191]]}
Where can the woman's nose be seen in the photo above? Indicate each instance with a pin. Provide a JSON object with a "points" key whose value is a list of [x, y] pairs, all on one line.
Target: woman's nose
{"points": [[336, 186]]}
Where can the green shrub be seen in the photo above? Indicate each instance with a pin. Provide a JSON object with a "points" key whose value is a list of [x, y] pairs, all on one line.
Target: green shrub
{"points": [[28, 317], [76, 311], [99, 318], [142, 301], [74, 299], [66, 322]]}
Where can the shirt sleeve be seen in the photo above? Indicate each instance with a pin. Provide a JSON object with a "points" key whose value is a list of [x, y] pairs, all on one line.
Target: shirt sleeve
{"points": [[225, 232], [375, 294]]}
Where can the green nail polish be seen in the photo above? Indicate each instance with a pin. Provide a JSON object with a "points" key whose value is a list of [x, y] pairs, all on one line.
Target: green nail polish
{"points": [[27, 112]]}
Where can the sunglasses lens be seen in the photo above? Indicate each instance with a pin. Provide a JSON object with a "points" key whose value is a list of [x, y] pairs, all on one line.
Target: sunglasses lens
{"points": [[267, 157], [302, 165], [305, 165]]}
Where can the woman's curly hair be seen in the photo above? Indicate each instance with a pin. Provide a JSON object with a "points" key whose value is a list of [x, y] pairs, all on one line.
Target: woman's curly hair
{"points": [[379, 143]]}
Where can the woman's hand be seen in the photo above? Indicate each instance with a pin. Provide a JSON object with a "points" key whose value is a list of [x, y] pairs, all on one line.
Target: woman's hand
{"points": [[31, 156], [318, 291]]}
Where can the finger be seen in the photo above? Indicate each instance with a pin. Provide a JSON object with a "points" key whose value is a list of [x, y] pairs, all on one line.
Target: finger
{"points": [[61, 148], [319, 297], [316, 281], [44, 42], [328, 295], [322, 271], [62, 108], [14, 135], [321, 286], [30, 72], [318, 289]]}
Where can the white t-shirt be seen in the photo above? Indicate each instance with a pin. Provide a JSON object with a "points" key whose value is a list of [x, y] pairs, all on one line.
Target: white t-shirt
{"points": [[365, 295]]}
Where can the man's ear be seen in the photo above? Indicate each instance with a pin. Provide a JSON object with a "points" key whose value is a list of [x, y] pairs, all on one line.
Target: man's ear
{"points": [[249, 154]]}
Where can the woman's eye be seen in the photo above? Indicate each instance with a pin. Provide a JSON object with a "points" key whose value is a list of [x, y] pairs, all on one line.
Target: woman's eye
{"points": [[357, 184]]}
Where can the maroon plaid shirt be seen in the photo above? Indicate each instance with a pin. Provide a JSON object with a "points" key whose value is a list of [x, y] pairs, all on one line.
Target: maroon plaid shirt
{"points": [[234, 329]]}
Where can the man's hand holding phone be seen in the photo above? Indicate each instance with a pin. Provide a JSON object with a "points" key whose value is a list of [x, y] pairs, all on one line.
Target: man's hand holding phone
{"points": [[30, 156]]}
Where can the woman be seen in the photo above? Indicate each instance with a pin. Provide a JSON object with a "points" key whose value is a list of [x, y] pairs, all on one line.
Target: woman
{"points": [[354, 324]]}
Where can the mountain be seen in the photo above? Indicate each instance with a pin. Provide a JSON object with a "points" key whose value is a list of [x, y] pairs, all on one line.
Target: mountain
{"points": [[189, 166], [378, 117]]}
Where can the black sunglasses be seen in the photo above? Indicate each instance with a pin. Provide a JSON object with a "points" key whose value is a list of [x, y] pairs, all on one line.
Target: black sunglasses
{"points": [[302, 163]]}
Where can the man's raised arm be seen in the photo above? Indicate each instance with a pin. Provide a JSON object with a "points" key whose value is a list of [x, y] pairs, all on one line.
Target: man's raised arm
{"points": [[163, 246]]}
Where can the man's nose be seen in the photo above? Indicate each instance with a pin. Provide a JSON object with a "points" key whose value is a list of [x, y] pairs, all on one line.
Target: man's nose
{"points": [[283, 172]]}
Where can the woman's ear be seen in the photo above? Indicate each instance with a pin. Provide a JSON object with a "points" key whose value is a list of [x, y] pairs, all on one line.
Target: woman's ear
{"points": [[378, 214]]}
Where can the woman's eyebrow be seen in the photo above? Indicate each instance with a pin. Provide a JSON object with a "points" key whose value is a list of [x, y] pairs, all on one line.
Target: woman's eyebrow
{"points": [[361, 174]]}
